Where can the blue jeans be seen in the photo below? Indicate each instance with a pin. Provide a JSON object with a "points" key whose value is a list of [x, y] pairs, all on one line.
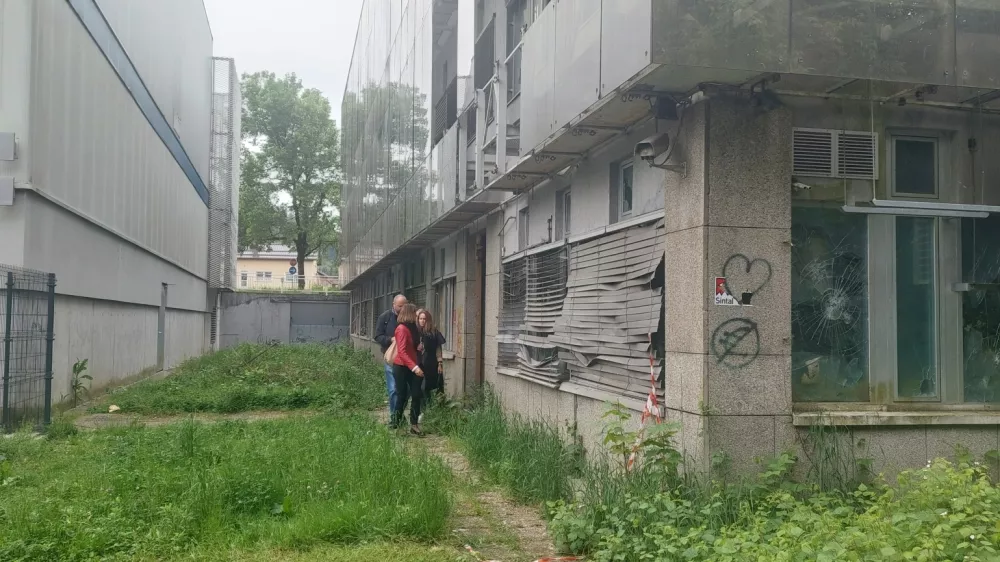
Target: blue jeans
{"points": [[390, 384]]}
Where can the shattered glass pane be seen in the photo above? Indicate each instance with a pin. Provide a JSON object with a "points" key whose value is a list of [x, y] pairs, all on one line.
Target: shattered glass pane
{"points": [[981, 308], [916, 314], [829, 305]]}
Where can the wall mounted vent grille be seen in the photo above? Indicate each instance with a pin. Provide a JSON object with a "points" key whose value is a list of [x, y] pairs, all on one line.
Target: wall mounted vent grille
{"points": [[828, 153]]}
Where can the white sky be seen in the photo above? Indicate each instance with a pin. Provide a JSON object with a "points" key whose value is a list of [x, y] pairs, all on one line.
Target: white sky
{"points": [[312, 38]]}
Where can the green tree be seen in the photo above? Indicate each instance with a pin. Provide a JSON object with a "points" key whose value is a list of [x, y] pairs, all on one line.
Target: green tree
{"points": [[290, 182]]}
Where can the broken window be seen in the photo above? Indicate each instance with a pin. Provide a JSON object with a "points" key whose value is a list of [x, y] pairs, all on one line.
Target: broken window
{"points": [[612, 317], [981, 309], [829, 305], [512, 305], [545, 286]]}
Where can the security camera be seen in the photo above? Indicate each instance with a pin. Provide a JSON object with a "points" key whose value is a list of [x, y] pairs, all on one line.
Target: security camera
{"points": [[652, 147]]}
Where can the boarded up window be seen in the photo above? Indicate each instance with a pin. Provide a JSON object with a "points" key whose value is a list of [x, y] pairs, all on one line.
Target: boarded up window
{"points": [[513, 293], [545, 284], [612, 316]]}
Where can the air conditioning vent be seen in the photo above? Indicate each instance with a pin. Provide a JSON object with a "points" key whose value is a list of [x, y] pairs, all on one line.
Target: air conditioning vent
{"points": [[856, 156], [813, 152], [827, 153]]}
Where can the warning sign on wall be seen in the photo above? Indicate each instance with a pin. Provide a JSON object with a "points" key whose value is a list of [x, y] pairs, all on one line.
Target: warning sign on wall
{"points": [[722, 296]]}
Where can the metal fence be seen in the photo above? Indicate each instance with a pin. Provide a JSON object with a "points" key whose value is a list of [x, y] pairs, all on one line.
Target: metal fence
{"points": [[27, 312], [224, 175]]}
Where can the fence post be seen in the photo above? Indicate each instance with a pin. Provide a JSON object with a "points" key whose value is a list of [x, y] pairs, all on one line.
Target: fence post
{"points": [[49, 339], [8, 338]]}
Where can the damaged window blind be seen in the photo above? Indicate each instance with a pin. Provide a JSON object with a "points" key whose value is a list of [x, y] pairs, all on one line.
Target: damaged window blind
{"points": [[538, 357], [613, 304], [417, 296], [514, 292]]}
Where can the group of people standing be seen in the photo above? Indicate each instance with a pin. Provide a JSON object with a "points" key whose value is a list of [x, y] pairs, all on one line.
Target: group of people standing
{"points": [[416, 372]]}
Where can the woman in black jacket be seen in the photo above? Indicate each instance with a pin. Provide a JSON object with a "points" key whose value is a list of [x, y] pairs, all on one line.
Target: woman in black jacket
{"points": [[431, 355]]}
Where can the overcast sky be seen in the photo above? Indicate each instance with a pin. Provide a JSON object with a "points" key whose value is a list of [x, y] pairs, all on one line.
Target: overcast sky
{"points": [[312, 38]]}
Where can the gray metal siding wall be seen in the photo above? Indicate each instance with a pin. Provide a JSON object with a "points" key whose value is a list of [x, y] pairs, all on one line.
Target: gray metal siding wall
{"points": [[92, 149], [170, 44]]}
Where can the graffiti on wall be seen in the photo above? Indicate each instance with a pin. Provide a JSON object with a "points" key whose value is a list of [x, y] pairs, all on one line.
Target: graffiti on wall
{"points": [[735, 342], [744, 277]]}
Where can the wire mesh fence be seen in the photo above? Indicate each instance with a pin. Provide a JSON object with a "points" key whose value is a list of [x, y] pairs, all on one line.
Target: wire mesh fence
{"points": [[27, 305]]}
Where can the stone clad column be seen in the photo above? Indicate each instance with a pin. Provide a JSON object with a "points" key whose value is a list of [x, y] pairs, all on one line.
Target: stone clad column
{"points": [[727, 231]]}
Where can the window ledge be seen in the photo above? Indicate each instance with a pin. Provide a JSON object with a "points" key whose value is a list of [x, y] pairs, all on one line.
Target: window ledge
{"points": [[448, 355], [894, 419]]}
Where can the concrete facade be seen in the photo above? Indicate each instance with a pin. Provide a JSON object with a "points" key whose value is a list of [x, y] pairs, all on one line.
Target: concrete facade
{"points": [[111, 106], [824, 223]]}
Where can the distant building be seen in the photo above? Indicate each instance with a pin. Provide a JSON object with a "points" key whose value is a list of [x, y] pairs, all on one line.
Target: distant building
{"points": [[273, 269]]}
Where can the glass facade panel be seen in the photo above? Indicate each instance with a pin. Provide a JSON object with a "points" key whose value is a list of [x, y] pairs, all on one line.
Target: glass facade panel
{"points": [[981, 309], [389, 193], [916, 308], [829, 305]]}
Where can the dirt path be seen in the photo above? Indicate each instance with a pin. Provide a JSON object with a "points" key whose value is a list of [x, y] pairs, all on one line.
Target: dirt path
{"points": [[498, 528], [506, 531], [101, 421]]}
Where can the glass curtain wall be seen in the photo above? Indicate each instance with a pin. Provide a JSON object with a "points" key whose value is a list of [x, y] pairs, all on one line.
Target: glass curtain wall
{"points": [[392, 185]]}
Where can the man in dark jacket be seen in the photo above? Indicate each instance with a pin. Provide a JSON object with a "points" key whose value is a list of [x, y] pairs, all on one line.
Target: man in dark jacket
{"points": [[385, 327]]}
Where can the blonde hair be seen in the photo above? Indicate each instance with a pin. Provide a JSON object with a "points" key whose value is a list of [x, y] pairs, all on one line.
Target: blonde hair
{"points": [[429, 328], [407, 314]]}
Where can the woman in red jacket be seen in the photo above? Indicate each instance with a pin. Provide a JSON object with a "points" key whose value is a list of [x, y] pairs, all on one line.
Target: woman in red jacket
{"points": [[406, 368]]}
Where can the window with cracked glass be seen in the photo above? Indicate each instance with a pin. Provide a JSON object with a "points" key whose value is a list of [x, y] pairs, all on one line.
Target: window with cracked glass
{"points": [[829, 305]]}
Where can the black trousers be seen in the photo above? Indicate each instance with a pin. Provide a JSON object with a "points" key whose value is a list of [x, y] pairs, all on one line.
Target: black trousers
{"points": [[433, 383], [408, 387]]}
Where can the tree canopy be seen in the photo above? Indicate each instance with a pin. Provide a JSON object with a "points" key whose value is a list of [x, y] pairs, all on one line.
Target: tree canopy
{"points": [[290, 184]]}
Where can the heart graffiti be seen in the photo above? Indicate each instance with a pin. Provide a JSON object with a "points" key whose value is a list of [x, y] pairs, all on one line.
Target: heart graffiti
{"points": [[745, 266]]}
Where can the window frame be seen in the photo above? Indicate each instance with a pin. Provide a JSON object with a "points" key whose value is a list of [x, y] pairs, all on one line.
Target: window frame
{"points": [[883, 321], [622, 213], [523, 228], [444, 309], [931, 137]]}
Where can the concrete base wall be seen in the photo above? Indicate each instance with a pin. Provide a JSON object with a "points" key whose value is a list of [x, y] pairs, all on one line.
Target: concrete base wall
{"points": [[119, 340]]}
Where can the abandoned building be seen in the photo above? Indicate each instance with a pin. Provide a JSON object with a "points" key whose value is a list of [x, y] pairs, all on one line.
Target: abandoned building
{"points": [[788, 209]]}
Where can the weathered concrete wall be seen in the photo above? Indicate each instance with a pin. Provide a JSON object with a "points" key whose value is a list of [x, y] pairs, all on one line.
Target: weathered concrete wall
{"points": [[119, 340], [261, 317]]}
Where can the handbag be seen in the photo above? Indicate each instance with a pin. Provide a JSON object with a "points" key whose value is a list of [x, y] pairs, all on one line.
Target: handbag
{"points": [[390, 354]]}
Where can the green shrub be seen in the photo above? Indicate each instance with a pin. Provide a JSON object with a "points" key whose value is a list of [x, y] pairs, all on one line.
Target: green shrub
{"points": [[154, 493], [945, 511], [258, 377]]}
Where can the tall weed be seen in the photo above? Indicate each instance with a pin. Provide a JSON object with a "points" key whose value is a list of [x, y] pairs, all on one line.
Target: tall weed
{"points": [[530, 459], [259, 377], [138, 493]]}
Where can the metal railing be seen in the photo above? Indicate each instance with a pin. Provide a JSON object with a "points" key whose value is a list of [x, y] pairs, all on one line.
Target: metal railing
{"points": [[288, 283], [27, 314]]}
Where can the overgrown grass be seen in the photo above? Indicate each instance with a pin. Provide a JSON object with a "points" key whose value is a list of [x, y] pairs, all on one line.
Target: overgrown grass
{"points": [[155, 493], [528, 458], [259, 377]]}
